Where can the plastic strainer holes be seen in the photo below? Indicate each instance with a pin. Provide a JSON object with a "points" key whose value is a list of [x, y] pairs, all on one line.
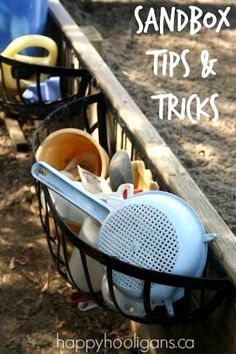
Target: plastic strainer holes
{"points": [[141, 235]]}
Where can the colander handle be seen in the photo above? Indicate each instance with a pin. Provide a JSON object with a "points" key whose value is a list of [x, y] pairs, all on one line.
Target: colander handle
{"points": [[72, 192]]}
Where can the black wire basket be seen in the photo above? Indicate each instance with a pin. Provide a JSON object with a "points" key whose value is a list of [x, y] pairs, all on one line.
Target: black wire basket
{"points": [[73, 83], [209, 292]]}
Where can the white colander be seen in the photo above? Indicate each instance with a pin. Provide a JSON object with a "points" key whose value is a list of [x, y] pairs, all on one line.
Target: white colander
{"points": [[153, 230], [158, 231]]}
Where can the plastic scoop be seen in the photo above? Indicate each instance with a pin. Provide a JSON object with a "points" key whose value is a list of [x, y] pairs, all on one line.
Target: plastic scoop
{"points": [[72, 192]]}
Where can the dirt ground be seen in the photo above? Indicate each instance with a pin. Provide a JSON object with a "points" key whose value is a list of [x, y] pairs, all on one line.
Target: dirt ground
{"points": [[34, 300]]}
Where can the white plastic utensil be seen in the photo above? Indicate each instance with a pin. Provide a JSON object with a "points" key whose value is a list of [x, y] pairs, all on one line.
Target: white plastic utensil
{"points": [[76, 194], [86, 305], [72, 192]]}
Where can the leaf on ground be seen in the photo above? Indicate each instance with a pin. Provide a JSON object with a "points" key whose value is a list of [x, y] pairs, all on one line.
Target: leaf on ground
{"points": [[46, 285], [12, 264]]}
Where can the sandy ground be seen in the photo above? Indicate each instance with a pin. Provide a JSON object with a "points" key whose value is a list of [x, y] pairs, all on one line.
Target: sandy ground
{"points": [[34, 301]]}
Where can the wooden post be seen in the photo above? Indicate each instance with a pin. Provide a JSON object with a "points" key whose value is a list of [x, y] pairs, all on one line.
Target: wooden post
{"points": [[94, 37]]}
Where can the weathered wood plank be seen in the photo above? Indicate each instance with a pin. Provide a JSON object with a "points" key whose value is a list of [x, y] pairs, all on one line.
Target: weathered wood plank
{"points": [[16, 134]]}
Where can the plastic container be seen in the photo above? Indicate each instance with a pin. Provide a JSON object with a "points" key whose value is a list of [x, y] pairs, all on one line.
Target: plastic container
{"points": [[12, 51], [20, 17], [66, 145]]}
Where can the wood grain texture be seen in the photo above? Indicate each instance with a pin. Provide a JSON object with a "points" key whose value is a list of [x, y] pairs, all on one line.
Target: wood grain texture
{"points": [[16, 134], [94, 37]]}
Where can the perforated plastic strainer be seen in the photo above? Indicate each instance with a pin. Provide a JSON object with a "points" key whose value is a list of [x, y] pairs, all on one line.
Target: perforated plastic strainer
{"points": [[153, 230], [157, 231]]}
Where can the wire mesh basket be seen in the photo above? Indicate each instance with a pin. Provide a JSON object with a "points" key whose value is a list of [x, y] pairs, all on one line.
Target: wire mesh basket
{"points": [[72, 84], [62, 237]]}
